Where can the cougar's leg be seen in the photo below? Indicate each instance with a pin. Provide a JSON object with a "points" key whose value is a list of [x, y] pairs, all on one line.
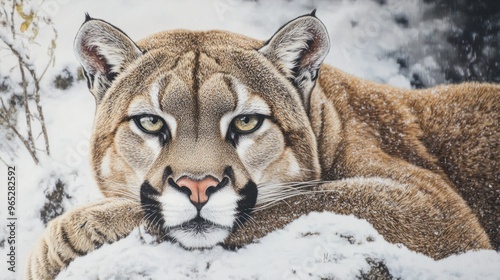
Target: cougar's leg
{"points": [[435, 226], [80, 231]]}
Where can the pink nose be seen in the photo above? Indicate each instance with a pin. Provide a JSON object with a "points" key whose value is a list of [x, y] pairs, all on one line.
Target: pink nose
{"points": [[198, 188]]}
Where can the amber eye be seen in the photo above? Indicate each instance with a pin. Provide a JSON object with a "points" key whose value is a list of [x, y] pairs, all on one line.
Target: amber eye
{"points": [[150, 123], [247, 123]]}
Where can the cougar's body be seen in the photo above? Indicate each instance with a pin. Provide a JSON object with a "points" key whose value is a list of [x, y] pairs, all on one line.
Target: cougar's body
{"points": [[197, 132]]}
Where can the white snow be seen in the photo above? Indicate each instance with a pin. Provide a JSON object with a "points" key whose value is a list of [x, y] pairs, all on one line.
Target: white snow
{"points": [[312, 247], [362, 33]]}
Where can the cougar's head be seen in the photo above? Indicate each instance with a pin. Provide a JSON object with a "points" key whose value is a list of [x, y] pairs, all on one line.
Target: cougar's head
{"points": [[201, 125]]}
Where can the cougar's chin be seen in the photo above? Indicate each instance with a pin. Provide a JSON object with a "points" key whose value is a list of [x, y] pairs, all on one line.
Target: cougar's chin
{"points": [[196, 238]]}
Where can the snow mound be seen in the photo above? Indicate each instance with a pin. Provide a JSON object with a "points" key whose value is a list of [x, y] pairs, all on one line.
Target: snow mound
{"points": [[316, 246]]}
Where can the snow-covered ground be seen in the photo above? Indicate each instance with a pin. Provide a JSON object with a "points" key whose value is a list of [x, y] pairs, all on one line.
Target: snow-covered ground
{"points": [[366, 41]]}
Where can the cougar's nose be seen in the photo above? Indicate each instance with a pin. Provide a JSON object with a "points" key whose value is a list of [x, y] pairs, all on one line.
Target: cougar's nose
{"points": [[200, 190]]}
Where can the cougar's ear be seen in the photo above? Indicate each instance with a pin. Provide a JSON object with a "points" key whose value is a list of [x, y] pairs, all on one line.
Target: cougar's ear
{"points": [[104, 51], [297, 50]]}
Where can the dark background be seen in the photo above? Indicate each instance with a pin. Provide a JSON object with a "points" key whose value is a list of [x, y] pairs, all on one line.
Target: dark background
{"points": [[475, 37]]}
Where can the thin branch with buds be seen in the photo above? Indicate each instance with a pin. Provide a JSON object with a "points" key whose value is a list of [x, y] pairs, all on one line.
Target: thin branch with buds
{"points": [[29, 76]]}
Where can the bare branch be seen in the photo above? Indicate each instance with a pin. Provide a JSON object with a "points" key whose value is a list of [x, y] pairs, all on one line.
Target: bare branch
{"points": [[12, 26], [36, 81], [28, 72], [27, 110], [14, 129], [4, 162], [52, 54]]}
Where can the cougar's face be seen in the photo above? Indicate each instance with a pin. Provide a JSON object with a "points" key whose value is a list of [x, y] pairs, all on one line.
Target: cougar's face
{"points": [[196, 142], [201, 133]]}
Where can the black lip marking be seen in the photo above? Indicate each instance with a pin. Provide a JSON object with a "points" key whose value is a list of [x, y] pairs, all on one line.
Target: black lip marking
{"points": [[199, 225], [151, 206], [246, 204]]}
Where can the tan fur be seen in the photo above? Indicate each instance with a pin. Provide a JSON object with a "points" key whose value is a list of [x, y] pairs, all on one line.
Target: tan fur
{"points": [[421, 166], [429, 217], [421, 222], [452, 131], [80, 231]]}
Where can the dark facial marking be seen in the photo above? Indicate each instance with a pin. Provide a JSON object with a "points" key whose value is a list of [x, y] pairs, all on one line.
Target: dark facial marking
{"points": [[247, 203], [151, 206], [166, 173], [196, 87], [182, 189], [229, 172]]}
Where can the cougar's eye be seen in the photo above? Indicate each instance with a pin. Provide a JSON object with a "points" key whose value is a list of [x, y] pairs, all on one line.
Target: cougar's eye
{"points": [[247, 123], [150, 123]]}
